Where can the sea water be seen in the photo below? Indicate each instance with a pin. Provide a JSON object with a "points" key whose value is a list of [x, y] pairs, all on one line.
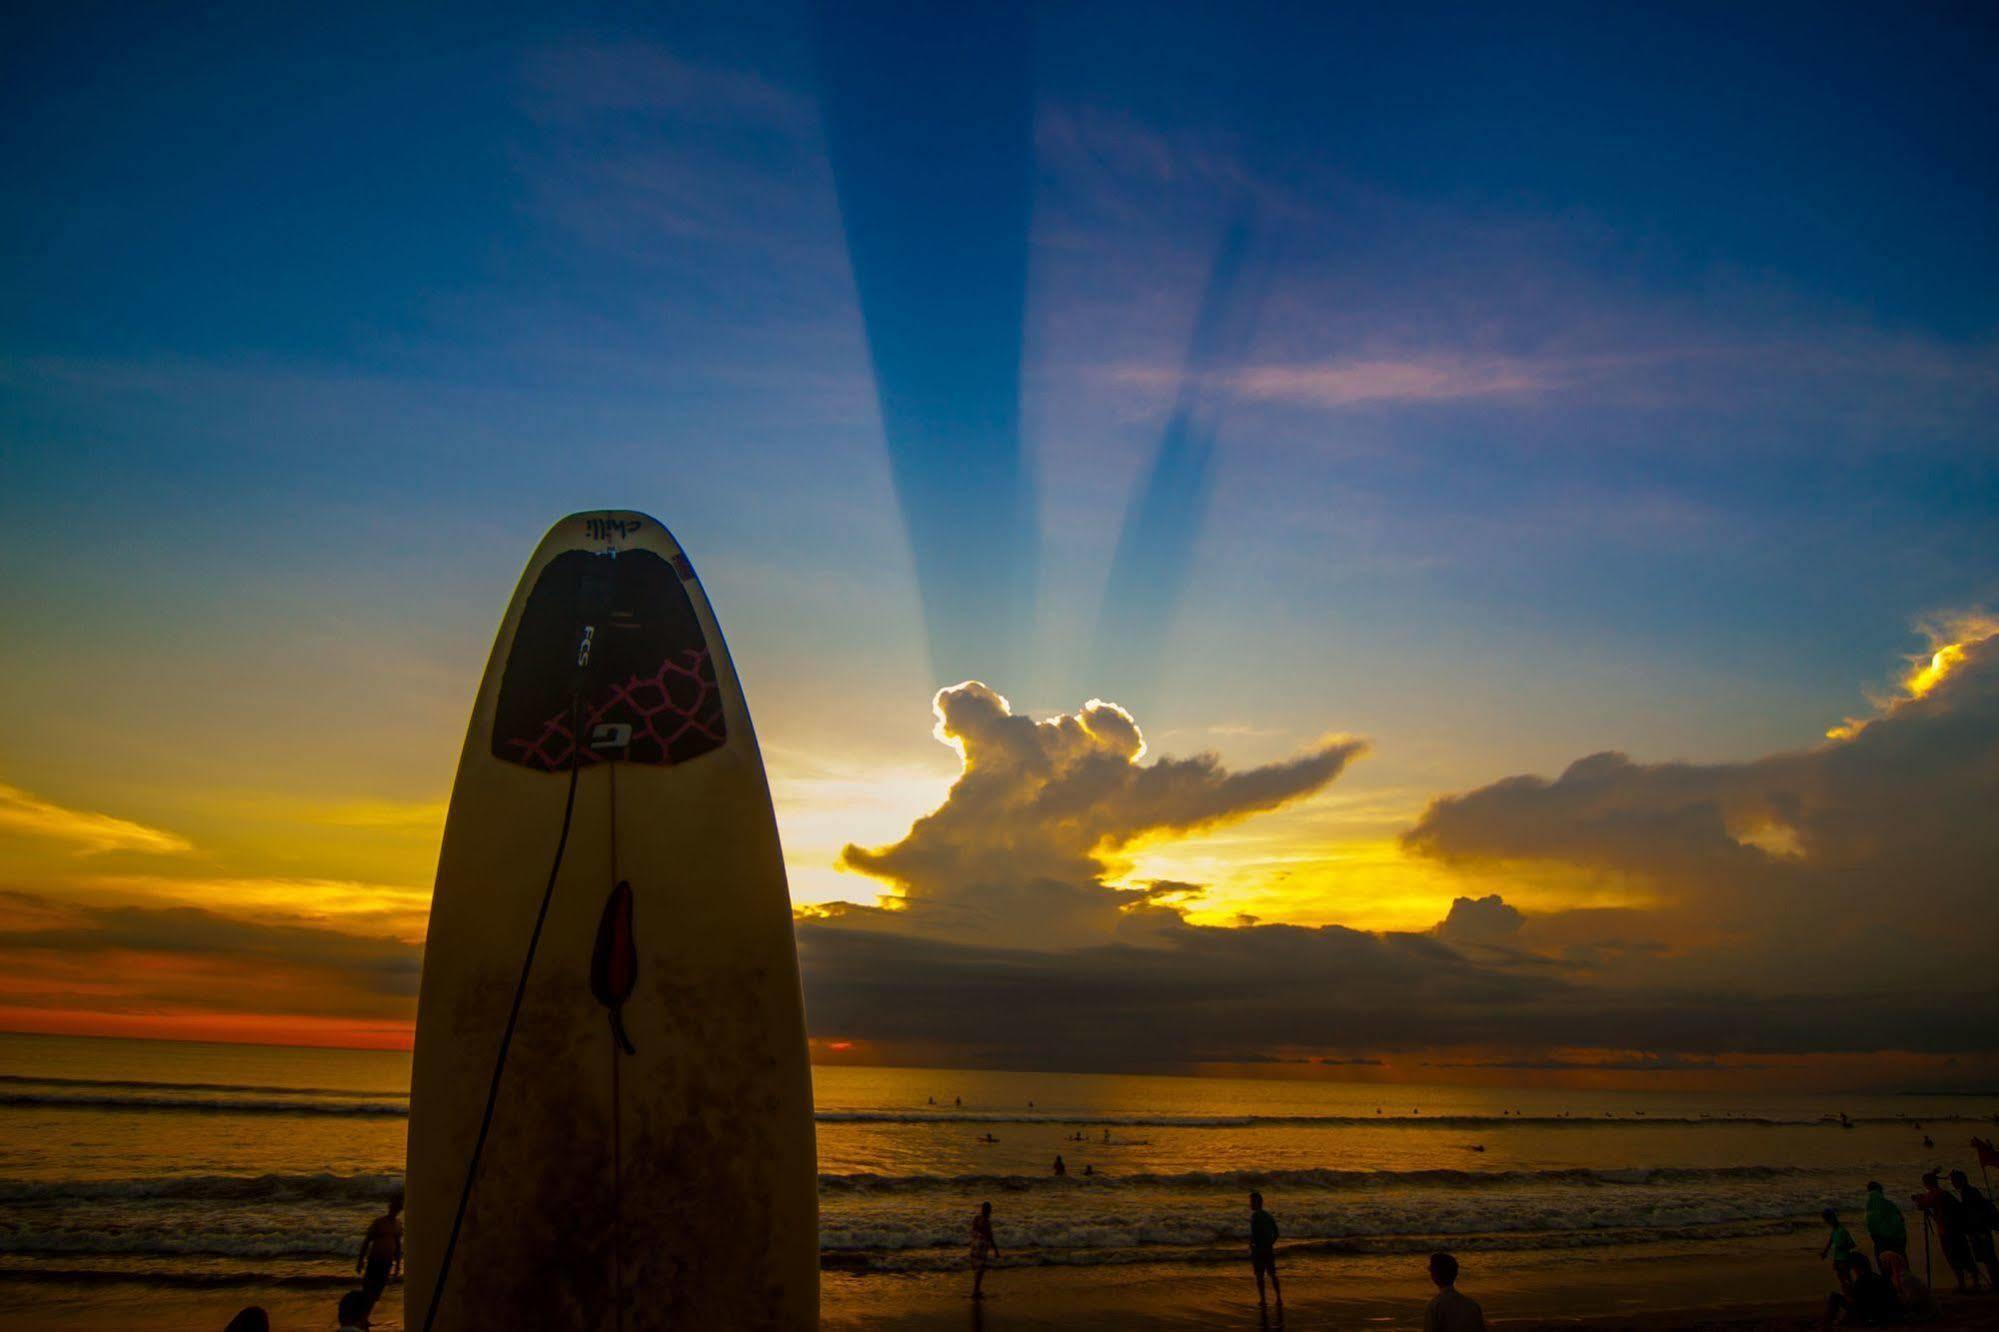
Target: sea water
{"points": [[183, 1165]]}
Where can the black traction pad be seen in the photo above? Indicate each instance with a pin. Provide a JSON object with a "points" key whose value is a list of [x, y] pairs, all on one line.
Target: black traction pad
{"points": [[608, 645]]}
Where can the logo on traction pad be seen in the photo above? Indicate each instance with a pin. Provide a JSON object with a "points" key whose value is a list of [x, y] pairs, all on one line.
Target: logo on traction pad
{"points": [[603, 529]]}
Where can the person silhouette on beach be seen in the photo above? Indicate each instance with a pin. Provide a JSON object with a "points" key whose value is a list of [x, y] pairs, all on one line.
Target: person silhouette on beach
{"points": [[1060, 1168], [1263, 1249], [1947, 1215], [1885, 1225], [1979, 1219], [1450, 1310], [1839, 1244], [381, 1256], [984, 1248]]}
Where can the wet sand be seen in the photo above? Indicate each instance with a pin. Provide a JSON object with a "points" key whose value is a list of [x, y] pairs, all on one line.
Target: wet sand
{"points": [[1766, 1285]]}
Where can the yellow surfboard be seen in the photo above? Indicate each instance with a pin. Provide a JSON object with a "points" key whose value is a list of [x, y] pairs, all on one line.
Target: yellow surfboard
{"points": [[615, 1133]]}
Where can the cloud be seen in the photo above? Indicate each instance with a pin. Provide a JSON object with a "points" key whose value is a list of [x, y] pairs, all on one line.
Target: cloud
{"points": [[1636, 1063], [1485, 919], [88, 831], [1200, 994], [1022, 847], [1952, 635], [1356, 381], [1864, 863], [639, 78], [1011, 942], [1170, 890], [1207, 994], [134, 958], [1854, 371]]}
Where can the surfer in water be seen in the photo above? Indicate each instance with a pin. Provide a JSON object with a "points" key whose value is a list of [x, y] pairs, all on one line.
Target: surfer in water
{"points": [[381, 1256], [984, 1248]]}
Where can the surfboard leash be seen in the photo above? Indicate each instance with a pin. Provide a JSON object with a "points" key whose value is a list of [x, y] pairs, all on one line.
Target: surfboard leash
{"points": [[513, 1017], [613, 973]]}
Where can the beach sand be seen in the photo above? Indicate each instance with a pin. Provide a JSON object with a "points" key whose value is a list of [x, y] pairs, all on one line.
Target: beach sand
{"points": [[1766, 1285]]}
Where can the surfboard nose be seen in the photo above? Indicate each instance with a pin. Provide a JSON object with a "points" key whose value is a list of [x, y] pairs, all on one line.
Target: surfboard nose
{"points": [[609, 530]]}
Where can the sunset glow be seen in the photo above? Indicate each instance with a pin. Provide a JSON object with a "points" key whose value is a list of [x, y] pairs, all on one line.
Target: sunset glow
{"points": [[1185, 551]]}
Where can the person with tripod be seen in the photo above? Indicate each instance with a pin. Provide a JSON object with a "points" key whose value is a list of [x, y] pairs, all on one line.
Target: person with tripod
{"points": [[1946, 1214]]}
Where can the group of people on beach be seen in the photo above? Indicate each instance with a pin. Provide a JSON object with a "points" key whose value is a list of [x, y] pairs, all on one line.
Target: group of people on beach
{"points": [[379, 1262], [1450, 1310], [1962, 1222], [1962, 1219]]}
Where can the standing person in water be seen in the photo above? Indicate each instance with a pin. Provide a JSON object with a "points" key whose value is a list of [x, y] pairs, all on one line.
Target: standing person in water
{"points": [[984, 1248], [1060, 1169], [1263, 1249], [381, 1256]]}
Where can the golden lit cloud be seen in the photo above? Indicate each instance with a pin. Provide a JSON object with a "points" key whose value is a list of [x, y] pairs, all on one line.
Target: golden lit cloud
{"points": [[399, 909], [1951, 638], [1044, 813], [85, 830]]}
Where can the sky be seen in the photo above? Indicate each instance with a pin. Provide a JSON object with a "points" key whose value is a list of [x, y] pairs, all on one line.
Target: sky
{"points": [[1435, 544]]}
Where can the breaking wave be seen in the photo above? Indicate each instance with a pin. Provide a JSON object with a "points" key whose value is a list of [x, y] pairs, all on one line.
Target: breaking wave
{"points": [[201, 1105], [367, 1189], [1356, 1180], [186, 1097]]}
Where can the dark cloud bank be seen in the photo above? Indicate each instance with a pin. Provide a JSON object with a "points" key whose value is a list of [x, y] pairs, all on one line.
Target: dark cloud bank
{"points": [[175, 956], [1836, 899]]}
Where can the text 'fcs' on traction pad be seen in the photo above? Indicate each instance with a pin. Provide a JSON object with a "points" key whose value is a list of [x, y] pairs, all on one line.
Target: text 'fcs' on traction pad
{"points": [[610, 645]]}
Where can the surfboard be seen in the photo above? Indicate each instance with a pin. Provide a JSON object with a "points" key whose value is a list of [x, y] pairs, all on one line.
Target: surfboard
{"points": [[646, 1158]]}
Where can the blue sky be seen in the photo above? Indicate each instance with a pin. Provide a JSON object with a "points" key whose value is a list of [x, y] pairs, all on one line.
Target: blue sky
{"points": [[1502, 386]]}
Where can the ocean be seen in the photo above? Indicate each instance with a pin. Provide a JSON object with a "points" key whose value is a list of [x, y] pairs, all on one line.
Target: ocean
{"points": [[176, 1166]]}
